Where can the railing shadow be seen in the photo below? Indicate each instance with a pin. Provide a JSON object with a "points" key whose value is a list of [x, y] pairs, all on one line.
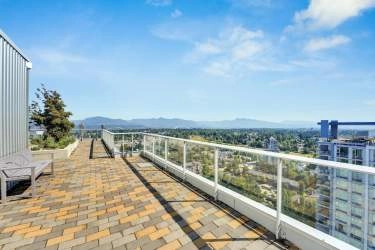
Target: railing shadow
{"points": [[183, 224], [99, 155], [249, 224]]}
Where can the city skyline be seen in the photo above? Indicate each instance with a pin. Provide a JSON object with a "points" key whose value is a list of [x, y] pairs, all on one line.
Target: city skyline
{"points": [[266, 60]]}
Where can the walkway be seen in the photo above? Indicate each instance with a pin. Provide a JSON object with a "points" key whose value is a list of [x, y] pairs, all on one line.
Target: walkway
{"points": [[107, 203]]}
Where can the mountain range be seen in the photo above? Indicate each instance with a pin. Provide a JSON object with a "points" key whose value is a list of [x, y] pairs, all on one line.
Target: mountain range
{"points": [[172, 123]]}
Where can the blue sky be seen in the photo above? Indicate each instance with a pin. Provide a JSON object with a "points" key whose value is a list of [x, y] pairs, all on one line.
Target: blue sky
{"points": [[205, 60]]}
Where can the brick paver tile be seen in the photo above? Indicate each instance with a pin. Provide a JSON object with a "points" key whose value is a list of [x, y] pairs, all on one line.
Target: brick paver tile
{"points": [[98, 235], [38, 232], [27, 230], [15, 227], [123, 240], [75, 229], [171, 246], [145, 231], [60, 239], [159, 233]]}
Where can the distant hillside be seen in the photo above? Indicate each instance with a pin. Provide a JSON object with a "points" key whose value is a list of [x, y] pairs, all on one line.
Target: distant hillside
{"points": [[242, 123], [96, 122]]}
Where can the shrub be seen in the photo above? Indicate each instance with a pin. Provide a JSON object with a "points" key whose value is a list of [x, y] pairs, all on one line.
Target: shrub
{"points": [[65, 141], [49, 142]]}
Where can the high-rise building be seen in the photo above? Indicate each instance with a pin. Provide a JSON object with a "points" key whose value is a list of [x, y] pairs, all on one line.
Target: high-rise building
{"points": [[346, 201]]}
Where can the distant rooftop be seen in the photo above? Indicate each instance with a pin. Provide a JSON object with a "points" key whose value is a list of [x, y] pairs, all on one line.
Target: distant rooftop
{"points": [[329, 129]]}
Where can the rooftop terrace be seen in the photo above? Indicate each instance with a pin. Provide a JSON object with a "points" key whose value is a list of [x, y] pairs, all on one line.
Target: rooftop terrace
{"points": [[130, 203]]}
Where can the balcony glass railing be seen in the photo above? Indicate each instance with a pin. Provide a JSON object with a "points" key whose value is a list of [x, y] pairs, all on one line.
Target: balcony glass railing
{"points": [[282, 192]]}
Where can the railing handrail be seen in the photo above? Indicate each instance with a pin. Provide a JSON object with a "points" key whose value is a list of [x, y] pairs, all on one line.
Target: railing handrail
{"points": [[283, 156]]}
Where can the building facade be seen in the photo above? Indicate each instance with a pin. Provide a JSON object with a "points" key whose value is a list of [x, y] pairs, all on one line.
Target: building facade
{"points": [[346, 199], [14, 75]]}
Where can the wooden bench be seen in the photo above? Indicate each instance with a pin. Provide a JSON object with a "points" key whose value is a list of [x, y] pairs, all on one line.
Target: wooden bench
{"points": [[21, 166]]}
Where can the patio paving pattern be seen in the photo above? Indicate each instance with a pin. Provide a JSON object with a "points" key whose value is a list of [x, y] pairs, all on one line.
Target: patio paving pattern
{"points": [[106, 203]]}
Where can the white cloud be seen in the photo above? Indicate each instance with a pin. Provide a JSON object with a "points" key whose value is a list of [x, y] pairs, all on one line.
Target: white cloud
{"points": [[159, 2], [235, 50], [219, 68], [328, 14], [207, 48], [53, 56], [179, 30], [246, 49], [235, 42], [229, 51], [176, 13], [317, 44]]}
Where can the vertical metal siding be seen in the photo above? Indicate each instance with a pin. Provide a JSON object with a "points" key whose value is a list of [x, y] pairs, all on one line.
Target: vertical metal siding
{"points": [[13, 98]]}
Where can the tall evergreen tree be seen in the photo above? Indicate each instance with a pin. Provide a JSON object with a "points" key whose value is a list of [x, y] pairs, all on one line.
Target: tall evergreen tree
{"points": [[49, 112]]}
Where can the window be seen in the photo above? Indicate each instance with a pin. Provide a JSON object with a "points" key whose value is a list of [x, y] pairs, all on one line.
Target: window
{"points": [[342, 184], [342, 205], [343, 152], [340, 227], [372, 157], [357, 211], [357, 177], [357, 154], [343, 195], [356, 198], [342, 173], [357, 188]]}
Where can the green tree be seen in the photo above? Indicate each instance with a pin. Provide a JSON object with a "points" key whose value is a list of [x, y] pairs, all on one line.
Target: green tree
{"points": [[49, 111]]}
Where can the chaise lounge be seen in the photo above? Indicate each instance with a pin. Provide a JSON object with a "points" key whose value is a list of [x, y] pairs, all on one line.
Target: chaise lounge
{"points": [[20, 166]]}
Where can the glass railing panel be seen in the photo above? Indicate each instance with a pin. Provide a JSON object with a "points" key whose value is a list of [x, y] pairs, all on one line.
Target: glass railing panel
{"points": [[86, 133], [137, 142], [251, 175], [200, 160], [176, 152], [126, 145], [148, 143], [160, 146], [301, 194], [118, 142]]}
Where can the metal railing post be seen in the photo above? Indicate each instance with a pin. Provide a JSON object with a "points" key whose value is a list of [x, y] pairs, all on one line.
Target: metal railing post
{"points": [[279, 197], [132, 145], [184, 161], [153, 149], [216, 168], [123, 146], [166, 150], [33, 188], [144, 143]]}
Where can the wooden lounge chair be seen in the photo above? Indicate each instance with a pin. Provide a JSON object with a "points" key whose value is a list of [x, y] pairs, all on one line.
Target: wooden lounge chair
{"points": [[21, 166]]}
